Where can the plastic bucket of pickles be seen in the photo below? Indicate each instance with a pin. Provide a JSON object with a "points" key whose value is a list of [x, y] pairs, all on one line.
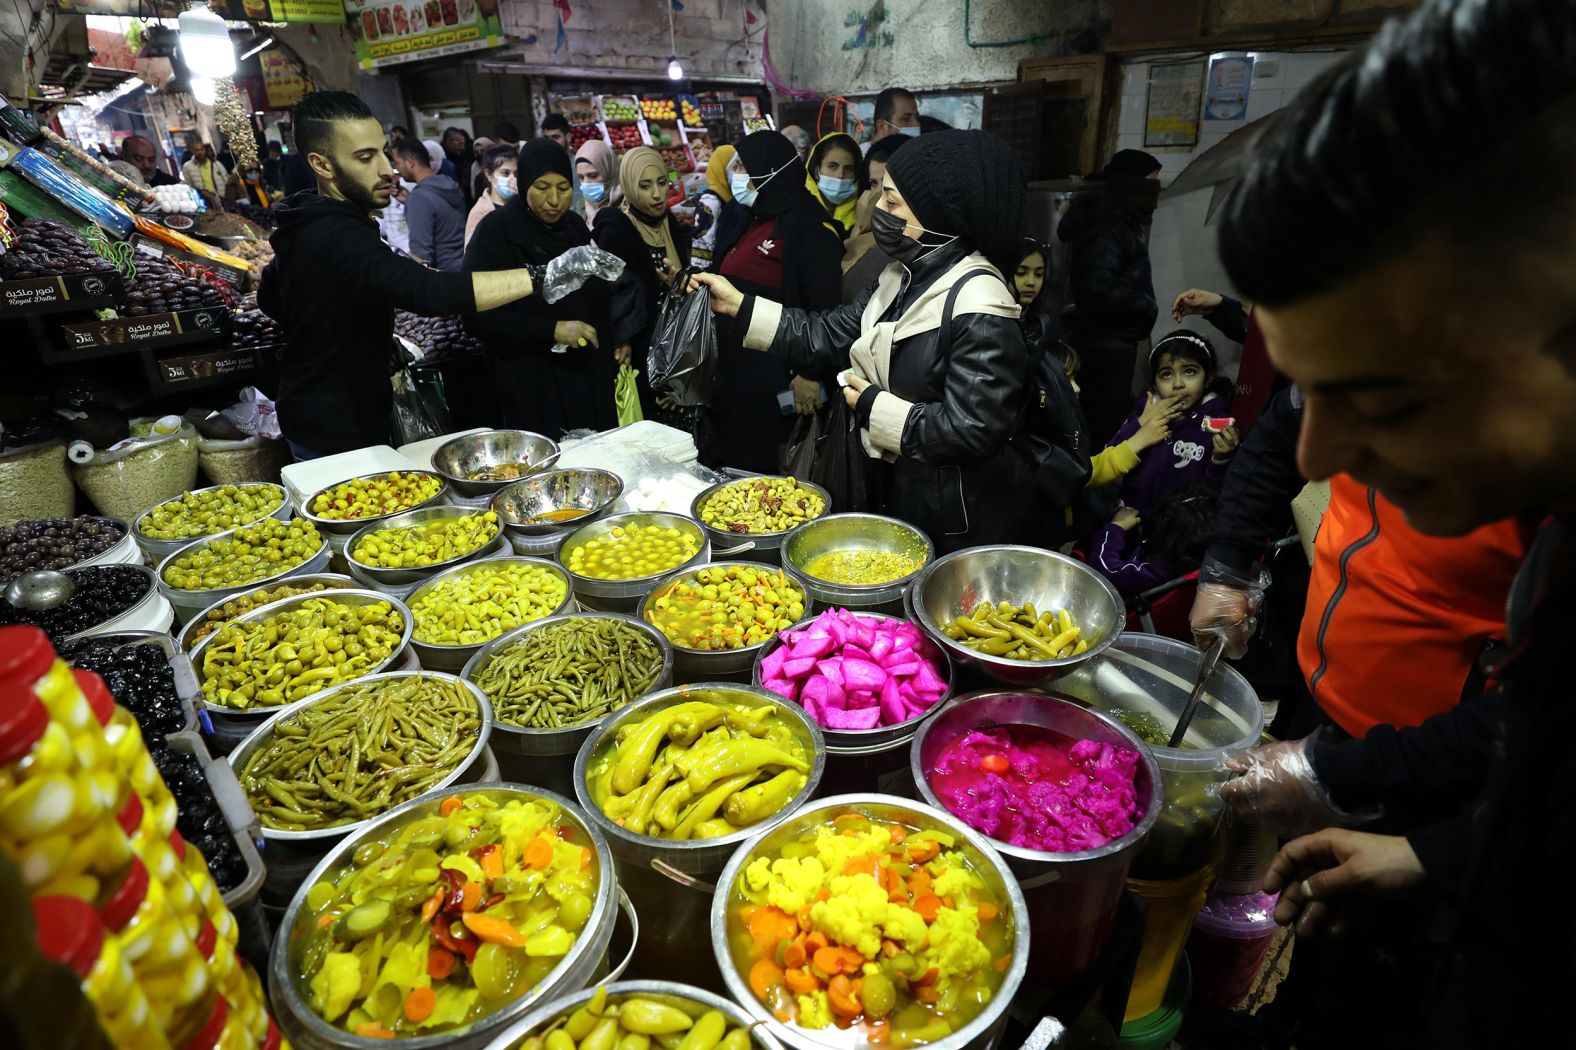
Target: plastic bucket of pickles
{"points": [[231, 563], [614, 562], [445, 921], [275, 655], [676, 782], [637, 1015], [871, 919]]}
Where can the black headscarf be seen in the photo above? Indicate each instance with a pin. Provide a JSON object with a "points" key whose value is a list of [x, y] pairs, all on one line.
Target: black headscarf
{"points": [[542, 241], [1128, 182], [764, 152], [968, 184]]}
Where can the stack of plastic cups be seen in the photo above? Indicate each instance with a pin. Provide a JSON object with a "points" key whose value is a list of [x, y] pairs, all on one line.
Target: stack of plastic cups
{"points": [[1231, 937]]}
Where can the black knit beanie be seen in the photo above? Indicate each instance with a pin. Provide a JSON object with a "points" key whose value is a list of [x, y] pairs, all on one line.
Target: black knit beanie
{"points": [[968, 183]]}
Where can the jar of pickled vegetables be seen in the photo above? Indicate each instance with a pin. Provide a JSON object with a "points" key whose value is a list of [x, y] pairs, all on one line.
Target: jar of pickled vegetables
{"points": [[223, 1030], [165, 960], [128, 752], [54, 819], [208, 895], [235, 981], [69, 932], [28, 658], [163, 865]]}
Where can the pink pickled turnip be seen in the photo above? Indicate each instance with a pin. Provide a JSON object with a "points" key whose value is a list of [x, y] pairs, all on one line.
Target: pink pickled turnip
{"points": [[904, 669], [824, 694], [812, 646], [832, 670], [862, 674], [784, 687], [798, 667], [866, 718], [926, 680], [881, 646], [772, 664], [892, 703]]}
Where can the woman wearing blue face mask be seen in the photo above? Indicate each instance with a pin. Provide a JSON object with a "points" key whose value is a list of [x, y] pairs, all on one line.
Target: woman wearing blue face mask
{"points": [[932, 360], [786, 248], [596, 173], [500, 164], [834, 178]]}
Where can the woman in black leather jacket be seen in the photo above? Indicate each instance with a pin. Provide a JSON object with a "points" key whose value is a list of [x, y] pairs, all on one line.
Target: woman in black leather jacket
{"points": [[932, 356]]}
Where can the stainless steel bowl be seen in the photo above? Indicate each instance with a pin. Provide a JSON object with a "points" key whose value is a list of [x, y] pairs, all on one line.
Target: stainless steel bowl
{"points": [[454, 657], [581, 488], [350, 598], [292, 997], [706, 665], [332, 581], [188, 603], [692, 856], [322, 836], [157, 550], [470, 453], [954, 585], [693, 1001], [132, 616], [624, 595], [417, 573], [856, 532], [510, 739], [862, 742], [343, 527], [766, 543], [981, 1032]]}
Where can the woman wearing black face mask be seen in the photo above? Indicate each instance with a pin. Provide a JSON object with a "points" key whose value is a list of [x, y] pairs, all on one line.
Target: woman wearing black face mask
{"points": [[788, 250], [936, 367]]}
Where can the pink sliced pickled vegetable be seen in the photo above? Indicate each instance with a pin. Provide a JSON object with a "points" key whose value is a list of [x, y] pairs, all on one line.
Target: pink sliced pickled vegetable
{"points": [[892, 707], [823, 694], [928, 681], [813, 646], [772, 664], [868, 718], [798, 667], [862, 674], [831, 669]]}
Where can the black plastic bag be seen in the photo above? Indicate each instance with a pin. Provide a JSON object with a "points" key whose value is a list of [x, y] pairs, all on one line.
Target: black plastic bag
{"points": [[420, 409], [804, 442], [842, 467], [682, 361]]}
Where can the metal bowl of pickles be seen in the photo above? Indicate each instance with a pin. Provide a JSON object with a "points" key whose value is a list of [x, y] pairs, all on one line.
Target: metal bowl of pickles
{"points": [[157, 549], [481, 464], [762, 511], [616, 583], [340, 526], [453, 655], [555, 502], [226, 609], [857, 561], [417, 572]]}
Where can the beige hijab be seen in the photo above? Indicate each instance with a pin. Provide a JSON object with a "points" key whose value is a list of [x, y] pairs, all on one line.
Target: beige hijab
{"points": [[656, 235]]}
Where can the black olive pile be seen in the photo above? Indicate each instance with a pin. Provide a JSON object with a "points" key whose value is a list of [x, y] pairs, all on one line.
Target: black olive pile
{"points": [[200, 821], [53, 543], [48, 249], [103, 592], [439, 336], [249, 326], [160, 288], [140, 680]]}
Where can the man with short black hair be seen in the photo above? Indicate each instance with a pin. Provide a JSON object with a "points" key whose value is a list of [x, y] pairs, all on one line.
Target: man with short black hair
{"points": [[506, 132], [435, 209], [397, 132], [143, 155], [555, 126], [334, 285], [897, 113]]}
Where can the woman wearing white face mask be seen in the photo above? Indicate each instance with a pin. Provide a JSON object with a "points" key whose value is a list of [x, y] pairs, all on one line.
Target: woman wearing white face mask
{"points": [[834, 178], [788, 249], [500, 164], [934, 361]]}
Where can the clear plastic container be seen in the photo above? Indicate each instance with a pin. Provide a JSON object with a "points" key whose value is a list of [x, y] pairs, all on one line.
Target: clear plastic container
{"points": [[1231, 937], [236, 981], [208, 896], [70, 932], [1172, 903], [165, 960], [164, 867], [58, 791]]}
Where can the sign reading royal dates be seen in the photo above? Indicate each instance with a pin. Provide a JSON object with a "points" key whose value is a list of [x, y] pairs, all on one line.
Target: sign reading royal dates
{"points": [[390, 31], [196, 368], [182, 326], [74, 291]]}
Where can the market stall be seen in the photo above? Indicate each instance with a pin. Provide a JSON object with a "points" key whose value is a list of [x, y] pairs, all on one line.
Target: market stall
{"points": [[500, 719]]}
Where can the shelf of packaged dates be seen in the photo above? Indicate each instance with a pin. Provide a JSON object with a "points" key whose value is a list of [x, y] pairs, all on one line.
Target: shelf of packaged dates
{"points": [[251, 353], [50, 269]]}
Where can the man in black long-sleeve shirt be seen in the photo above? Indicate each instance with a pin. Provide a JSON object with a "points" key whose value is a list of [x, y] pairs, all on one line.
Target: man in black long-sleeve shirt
{"points": [[334, 285], [1433, 335]]}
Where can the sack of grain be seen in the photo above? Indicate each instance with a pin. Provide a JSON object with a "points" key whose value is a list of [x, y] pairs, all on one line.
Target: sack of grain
{"points": [[34, 483], [133, 475], [238, 462]]}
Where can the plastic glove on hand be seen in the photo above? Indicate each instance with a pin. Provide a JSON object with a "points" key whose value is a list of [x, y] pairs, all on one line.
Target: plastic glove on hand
{"points": [[575, 267], [1229, 607], [1278, 788]]}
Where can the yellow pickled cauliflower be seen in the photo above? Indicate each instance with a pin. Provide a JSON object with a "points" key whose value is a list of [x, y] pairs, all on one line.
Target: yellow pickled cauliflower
{"points": [[814, 1010], [858, 914], [336, 984], [957, 881], [836, 849], [955, 948], [789, 884]]}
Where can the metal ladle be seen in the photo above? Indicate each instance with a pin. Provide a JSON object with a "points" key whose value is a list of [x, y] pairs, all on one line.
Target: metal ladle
{"points": [[1206, 671], [37, 591]]}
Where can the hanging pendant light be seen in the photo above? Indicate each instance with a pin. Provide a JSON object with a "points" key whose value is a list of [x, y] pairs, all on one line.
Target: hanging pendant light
{"points": [[205, 44]]}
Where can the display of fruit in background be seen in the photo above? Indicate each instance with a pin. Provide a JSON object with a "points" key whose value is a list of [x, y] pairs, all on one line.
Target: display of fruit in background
{"points": [[624, 136], [620, 109], [658, 108], [48, 249], [661, 137], [676, 159], [701, 148], [580, 134], [691, 112], [160, 288]]}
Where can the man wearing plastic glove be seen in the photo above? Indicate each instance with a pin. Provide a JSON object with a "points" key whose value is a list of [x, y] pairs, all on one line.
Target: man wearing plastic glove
{"points": [[334, 285], [1445, 383]]}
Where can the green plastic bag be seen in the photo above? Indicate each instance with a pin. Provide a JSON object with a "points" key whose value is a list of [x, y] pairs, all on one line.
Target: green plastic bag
{"points": [[626, 395]]}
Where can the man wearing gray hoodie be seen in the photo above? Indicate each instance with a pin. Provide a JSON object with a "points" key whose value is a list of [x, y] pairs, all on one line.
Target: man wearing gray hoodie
{"points": [[434, 210]]}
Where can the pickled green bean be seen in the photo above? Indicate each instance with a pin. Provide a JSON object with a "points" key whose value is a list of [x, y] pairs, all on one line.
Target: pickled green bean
{"points": [[572, 672]]}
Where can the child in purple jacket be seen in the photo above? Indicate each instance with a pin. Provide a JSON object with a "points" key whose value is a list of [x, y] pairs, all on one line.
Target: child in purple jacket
{"points": [[1170, 544], [1199, 444]]}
